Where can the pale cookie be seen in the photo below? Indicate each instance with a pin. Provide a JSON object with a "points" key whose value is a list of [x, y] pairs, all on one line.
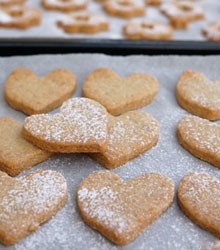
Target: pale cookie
{"points": [[118, 94], [198, 95], [121, 210], [28, 201], [201, 138], [83, 22], [181, 13], [16, 154], [64, 5], [147, 29], [212, 31], [33, 95], [153, 2], [199, 198], [10, 2], [19, 17], [129, 135], [80, 126], [124, 8]]}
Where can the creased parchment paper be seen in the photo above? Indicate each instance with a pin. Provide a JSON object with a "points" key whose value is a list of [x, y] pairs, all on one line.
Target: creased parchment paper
{"points": [[172, 230]]}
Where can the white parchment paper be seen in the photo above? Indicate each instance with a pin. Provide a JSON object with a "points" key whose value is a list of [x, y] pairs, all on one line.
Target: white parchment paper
{"points": [[172, 230], [49, 30]]}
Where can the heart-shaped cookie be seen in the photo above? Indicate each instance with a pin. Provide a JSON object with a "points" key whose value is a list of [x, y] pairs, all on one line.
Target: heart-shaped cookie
{"points": [[130, 135], [80, 126], [121, 210], [34, 95], [199, 198], [28, 201], [201, 138], [198, 95], [118, 94]]}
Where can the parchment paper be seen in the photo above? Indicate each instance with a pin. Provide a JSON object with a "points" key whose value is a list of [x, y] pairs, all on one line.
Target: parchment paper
{"points": [[172, 230], [49, 30]]}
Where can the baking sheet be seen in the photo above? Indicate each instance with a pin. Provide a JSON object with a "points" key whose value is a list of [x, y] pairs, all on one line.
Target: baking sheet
{"points": [[172, 230], [49, 30]]}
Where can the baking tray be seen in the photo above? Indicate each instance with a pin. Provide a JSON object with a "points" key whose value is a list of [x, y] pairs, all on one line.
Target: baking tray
{"points": [[172, 230]]}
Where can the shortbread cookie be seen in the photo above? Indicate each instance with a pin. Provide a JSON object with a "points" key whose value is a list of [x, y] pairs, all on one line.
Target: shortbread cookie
{"points": [[19, 17], [201, 138], [118, 94], [212, 31], [129, 135], [10, 2], [147, 29], [16, 154], [124, 8], [199, 198], [80, 126], [33, 95], [28, 201], [152, 2], [83, 22], [198, 95], [121, 210], [64, 5], [180, 13]]}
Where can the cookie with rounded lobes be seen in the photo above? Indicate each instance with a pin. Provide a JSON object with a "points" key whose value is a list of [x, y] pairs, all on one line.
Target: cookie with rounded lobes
{"points": [[17, 154], [153, 2], [117, 94], [180, 13], [124, 8], [11, 2], [19, 17], [147, 29], [198, 197], [83, 22], [121, 210], [212, 31], [198, 95], [31, 94], [201, 138], [129, 135], [64, 5], [28, 201], [80, 126]]}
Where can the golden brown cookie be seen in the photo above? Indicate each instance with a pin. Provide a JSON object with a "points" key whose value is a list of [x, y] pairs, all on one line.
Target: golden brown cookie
{"points": [[10, 2], [153, 2], [180, 13], [33, 95], [129, 135], [118, 94], [121, 210], [83, 22], [19, 17], [16, 154], [198, 197], [212, 31], [147, 29], [64, 5], [124, 8], [198, 95], [201, 138], [80, 126], [28, 201]]}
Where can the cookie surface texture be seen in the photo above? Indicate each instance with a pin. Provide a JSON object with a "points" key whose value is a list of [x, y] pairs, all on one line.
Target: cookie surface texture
{"points": [[11, 2], [17, 154], [199, 198], [30, 94], [212, 31], [28, 201], [198, 95], [121, 210], [64, 5], [129, 135], [117, 94], [201, 138], [80, 126]]}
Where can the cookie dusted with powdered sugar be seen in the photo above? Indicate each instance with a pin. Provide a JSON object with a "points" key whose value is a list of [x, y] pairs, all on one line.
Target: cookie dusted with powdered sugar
{"points": [[199, 198], [212, 31], [121, 210], [80, 126], [64, 5], [201, 138], [28, 201], [4, 3]]}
